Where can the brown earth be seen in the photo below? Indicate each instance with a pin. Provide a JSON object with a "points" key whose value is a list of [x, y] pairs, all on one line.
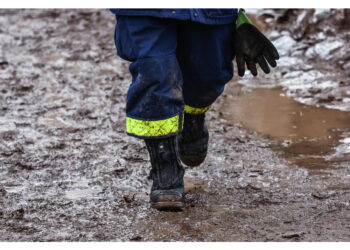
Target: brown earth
{"points": [[69, 172]]}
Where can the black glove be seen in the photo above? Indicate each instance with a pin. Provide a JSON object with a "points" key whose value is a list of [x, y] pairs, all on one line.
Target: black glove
{"points": [[252, 47]]}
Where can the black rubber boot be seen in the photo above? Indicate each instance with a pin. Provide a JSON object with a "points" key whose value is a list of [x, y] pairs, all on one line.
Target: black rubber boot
{"points": [[167, 173], [193, 141]]}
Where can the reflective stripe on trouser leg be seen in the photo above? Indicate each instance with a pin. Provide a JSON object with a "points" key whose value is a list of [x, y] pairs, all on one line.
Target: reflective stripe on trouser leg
{"points": [[154, 101], [159, 128], [195, 111], [154, 105]]}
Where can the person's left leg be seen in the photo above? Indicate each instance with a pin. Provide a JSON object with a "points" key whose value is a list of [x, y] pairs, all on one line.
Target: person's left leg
{"points": [[205, 54]]}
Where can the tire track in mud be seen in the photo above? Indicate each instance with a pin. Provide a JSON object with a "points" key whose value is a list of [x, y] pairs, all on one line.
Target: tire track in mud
{"points": [[69, 172]]}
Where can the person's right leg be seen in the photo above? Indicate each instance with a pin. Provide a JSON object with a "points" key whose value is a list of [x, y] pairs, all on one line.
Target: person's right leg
{"points": [[154, 101]]}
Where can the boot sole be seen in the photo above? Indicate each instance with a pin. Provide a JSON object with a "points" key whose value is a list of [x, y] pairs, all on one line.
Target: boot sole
{"points": [[168, 205], [193, 161]]}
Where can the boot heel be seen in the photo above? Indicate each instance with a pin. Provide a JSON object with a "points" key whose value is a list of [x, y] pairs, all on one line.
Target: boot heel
{"points": [[168, 206]]}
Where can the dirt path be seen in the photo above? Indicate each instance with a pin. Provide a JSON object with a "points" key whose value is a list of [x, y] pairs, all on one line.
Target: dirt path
{"points": [[69, 172]]}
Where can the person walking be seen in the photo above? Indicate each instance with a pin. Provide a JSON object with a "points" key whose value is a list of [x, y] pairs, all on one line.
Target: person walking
{"points": [[181, 60]]}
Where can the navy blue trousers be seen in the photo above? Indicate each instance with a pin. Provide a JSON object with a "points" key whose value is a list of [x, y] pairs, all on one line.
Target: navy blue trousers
{"points": [[176, 66]]}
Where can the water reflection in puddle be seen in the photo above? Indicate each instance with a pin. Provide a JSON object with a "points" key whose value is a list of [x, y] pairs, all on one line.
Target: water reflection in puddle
{"points": [[309, 136]]}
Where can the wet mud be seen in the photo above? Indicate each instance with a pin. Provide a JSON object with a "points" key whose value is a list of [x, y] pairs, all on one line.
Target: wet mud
{"points": [[69, 172]]}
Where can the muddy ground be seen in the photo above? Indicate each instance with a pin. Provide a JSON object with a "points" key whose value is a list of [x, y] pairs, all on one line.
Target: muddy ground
{"points": [[69, 173]]}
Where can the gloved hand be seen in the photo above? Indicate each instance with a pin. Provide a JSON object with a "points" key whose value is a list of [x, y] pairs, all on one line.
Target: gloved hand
{"points": [[252, 47]]}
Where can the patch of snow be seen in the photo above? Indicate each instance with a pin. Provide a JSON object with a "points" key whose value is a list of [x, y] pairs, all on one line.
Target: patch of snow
{"points": [[321, 36], [6, 125], [285, 61], [321, 14], [301, 17], [284, 44], [343, 148], [252, 11], [341, 107], [327, 84], [323, 49]]}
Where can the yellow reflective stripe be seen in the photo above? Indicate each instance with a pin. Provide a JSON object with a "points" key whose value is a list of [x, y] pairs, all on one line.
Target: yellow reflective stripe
{"points": [[195, 111], [152, 128]]}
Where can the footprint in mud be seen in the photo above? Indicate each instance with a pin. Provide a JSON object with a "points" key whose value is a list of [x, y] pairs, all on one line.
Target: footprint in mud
{"points": [[195, 185]]}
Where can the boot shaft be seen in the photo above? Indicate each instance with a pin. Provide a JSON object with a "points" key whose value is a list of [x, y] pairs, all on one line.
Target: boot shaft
{"points": [[167, 171], [193, 140], [194, 126]]}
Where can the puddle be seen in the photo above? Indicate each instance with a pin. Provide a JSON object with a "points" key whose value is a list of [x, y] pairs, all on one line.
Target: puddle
{"points": [[309, 136]]}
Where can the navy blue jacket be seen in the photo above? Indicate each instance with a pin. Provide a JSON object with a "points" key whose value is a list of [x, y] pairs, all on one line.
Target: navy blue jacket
{"points": [[206, 16]]}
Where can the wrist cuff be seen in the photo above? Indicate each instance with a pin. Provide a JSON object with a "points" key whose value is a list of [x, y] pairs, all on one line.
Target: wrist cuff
{"points": [[242, 18]]}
